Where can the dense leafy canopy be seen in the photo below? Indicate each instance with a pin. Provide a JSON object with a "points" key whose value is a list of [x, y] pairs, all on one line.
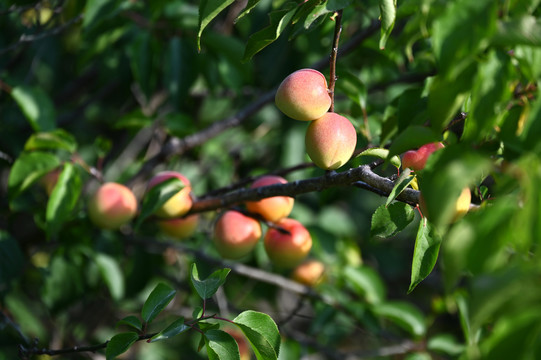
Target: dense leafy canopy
{"points": [[117, 90]]}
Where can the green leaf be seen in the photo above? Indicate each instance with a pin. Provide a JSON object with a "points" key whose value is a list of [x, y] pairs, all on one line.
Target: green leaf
{"points": [[366, 282], [412, 137], [249, 7], [403, 314], [157, 196], [382, 153], [28, 168], [36, 106], [221, 346], [131, 321], [11, 259], [119, 344], [58, 139], [445, 344], [490, 96], [63, 198], [354, 88], [139, 53], [157, 301], [425, 253], [175, 328], [112, 275], [208, 10], [98, 10], [447, 172], [387, 221], [387, 10], [262, 333], [525, 30], [400, 184], [279, 20], [461, 33], [208, 287]]}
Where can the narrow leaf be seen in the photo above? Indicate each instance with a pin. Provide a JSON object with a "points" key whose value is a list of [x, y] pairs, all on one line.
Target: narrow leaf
{"points": [[175, 328], [58, 139], [425, 254], [112, 275], [119, 344], [63, 198], [208, 287], [382, 153], [279, 20], [131, 321], [157, 196], [262, 333], [36, 106], [387, 10], [157, 301], [387, 221], [366, 282], [221, 346], [28, 168], [208, 10], [403, 314], [249, 7], [11, 259], [401, 183]]}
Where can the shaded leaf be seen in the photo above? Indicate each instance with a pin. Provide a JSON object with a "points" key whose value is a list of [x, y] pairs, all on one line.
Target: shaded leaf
{"points": [[11, 259], [412, 137], [28, 168], [131, 321], [157, 301], [279, 20], [119, 344], [387, 10], [175, 328], [36, 106], [112, 275], [366, 282], [64, 197], [58, 139], [208, 287], [208, 10], [403, 314]]}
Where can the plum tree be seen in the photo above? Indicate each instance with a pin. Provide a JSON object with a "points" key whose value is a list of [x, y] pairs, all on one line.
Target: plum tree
{"points": [[288, 248], [416, 159], [236, 234], [303, 95], [112, 206], [330, 141], [309, 272], [179, 228], [180, 203], [273, 208]]}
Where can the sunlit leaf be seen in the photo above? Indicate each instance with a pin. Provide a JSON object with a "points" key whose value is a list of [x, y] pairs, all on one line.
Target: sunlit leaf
{"points": [[262, 332], [425, 253], [157, 301]]}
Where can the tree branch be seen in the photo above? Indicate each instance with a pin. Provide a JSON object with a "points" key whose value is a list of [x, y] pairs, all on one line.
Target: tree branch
{"points": [[362, 176], [334, 54]]}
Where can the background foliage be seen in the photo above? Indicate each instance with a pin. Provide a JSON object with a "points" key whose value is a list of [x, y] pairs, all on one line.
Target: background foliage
{"points": [[118, 90]]}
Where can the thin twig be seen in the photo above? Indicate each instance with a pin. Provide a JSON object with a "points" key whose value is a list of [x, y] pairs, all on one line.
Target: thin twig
{"points": [[334, 55]]}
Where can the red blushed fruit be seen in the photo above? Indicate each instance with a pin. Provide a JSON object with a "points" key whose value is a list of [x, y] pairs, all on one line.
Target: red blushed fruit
{"points": [[180, 203], [235, 234], [330, 141], [273, 208], [303, 95], [309, 273], [286, 250], [180, 228], [416, 159], [112, 206]]}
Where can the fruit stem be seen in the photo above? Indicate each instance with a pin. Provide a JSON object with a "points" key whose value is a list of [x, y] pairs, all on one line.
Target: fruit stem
{"points": [[334, 53]]}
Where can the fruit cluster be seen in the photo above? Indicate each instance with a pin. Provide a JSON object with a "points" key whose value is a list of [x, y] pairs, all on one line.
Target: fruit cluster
{"points": [[330, 138], [287, 242]]}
